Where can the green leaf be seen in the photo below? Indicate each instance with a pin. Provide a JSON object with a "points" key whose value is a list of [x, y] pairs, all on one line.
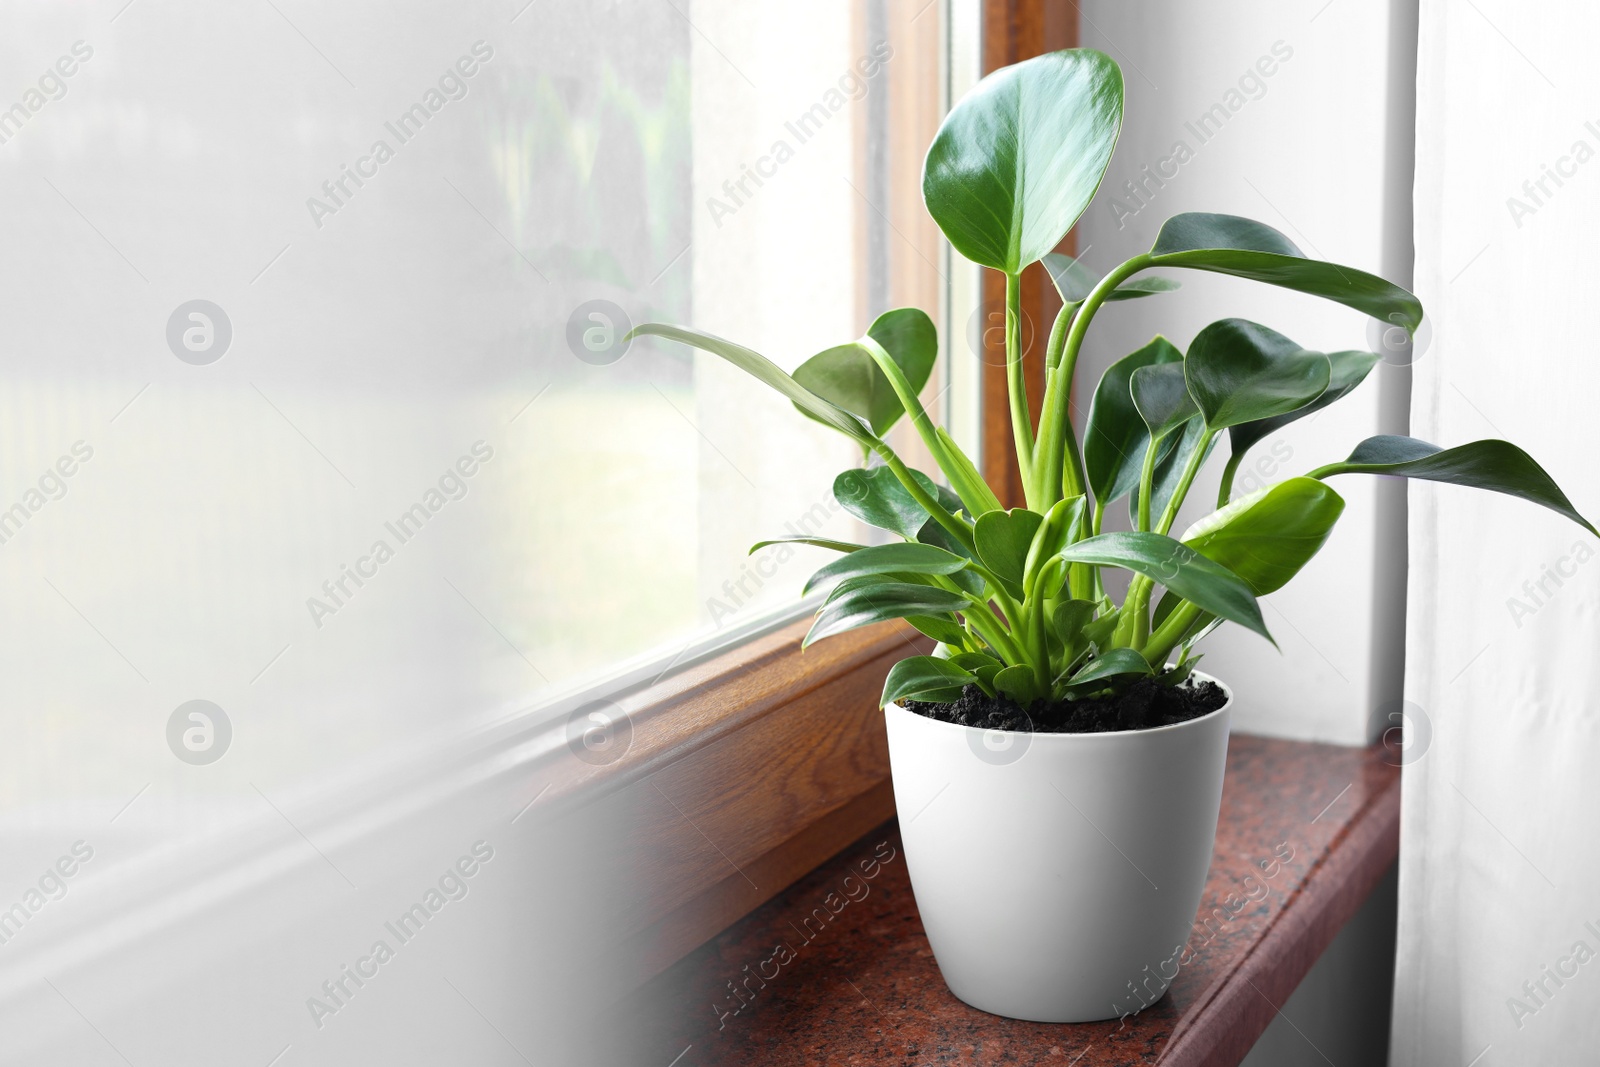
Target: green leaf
{"points": [[937, 536], [759, 366], [1265, 538], [974, 661], [1114, 663], [1114, 442], [849, 377], [919, 675], [1019, 157], [876, 497], [1074, 281], [1003, 538], [867, 604], [1227, 244], [1239, 371], [1068, 622], [1498, 466], [1208, 585], [905, 557], [942, 628], [1019, 683], [815, 542], [1161, 396], [1349, 369]]}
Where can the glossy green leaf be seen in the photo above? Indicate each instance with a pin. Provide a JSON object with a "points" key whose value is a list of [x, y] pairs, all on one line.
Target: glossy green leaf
{"points": [[1019, 157], [762, 368], [848, 376], [1348, 370], [1114, 442], [1161, 396], [1114, 663], [876, 497], [1208, 585], [867, 604], [917, 676], [1074, 281], [1003, 538], [1228, 244], [974, 661], [906, 558], [1498, 466], [815, 542], [1265, 538], [1239, 371], [942, 628]]}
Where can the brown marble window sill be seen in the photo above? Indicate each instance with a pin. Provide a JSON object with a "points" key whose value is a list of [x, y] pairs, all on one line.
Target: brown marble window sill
{"points": [[864, 989]]}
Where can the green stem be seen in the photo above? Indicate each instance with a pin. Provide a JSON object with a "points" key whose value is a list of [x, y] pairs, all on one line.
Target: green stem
{"points": [[1017, 386], [1225, 490], [993, 632], [1055, 425], [952, 525], [1147, 478], [1041, 644], [1170, 632], [1189, 471]]}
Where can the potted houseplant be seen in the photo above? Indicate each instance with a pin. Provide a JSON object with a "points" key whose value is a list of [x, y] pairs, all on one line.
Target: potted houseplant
{"points": [[1056, 726]]}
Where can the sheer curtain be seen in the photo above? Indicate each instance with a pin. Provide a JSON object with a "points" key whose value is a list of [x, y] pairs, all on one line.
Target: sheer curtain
{"points": [[1499, 925]]}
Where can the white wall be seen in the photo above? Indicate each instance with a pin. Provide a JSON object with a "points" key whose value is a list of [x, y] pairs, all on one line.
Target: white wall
{"points": [[1309, 149]]}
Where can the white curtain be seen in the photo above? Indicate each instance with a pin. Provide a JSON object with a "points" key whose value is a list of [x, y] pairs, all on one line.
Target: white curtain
{"points": [[1499, 935]]}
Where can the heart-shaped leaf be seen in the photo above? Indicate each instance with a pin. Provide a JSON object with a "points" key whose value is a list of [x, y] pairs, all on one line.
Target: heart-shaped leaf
{"points": [[1002, 538], [1114, 442], [1019, 683], [1228, 244], [762, 368], [1239, 371], [1019, 157], [1265, 538], [1208, 585], [865, 604], [1348, 370], [923, 678], [1498, 466], [876, 497], [848, 376], [904, 558]]}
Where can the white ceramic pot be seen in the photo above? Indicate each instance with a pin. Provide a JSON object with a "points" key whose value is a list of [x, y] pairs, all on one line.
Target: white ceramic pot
{"points": [[1058, 875]]}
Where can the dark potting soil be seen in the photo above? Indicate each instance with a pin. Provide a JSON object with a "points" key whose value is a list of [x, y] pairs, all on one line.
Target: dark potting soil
{"points": [[1144, 705]]}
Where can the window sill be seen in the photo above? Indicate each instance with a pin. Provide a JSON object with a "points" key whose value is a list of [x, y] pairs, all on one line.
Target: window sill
{"points": [[866, 988]]}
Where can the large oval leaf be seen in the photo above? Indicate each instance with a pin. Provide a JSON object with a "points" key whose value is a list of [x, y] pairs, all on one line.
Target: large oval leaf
{"points": [[1114, 442], [759, 366], [905, 557], [848, 376], [1498, 466], [1240, 371], [1348, 370], [1020, 156], [1228, 244], [1265, 538], [876, 497], [1208, 585]]}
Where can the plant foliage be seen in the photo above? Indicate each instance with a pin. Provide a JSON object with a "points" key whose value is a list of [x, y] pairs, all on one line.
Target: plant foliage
{"points": [[1016, 599]]}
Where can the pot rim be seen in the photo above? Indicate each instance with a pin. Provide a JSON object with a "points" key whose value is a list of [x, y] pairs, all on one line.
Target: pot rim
{"points": [[1055, 737]]}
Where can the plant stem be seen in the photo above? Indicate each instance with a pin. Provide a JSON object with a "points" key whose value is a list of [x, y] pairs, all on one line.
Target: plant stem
{"points": [[1017, 386], [1147, 477], [1225, 490], [1054, 423], [1170, 632], [952, 525], [1189, 471]]}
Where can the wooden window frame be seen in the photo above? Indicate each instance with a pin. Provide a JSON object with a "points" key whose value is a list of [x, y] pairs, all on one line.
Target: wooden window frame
{"points": [[770, 759]]}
